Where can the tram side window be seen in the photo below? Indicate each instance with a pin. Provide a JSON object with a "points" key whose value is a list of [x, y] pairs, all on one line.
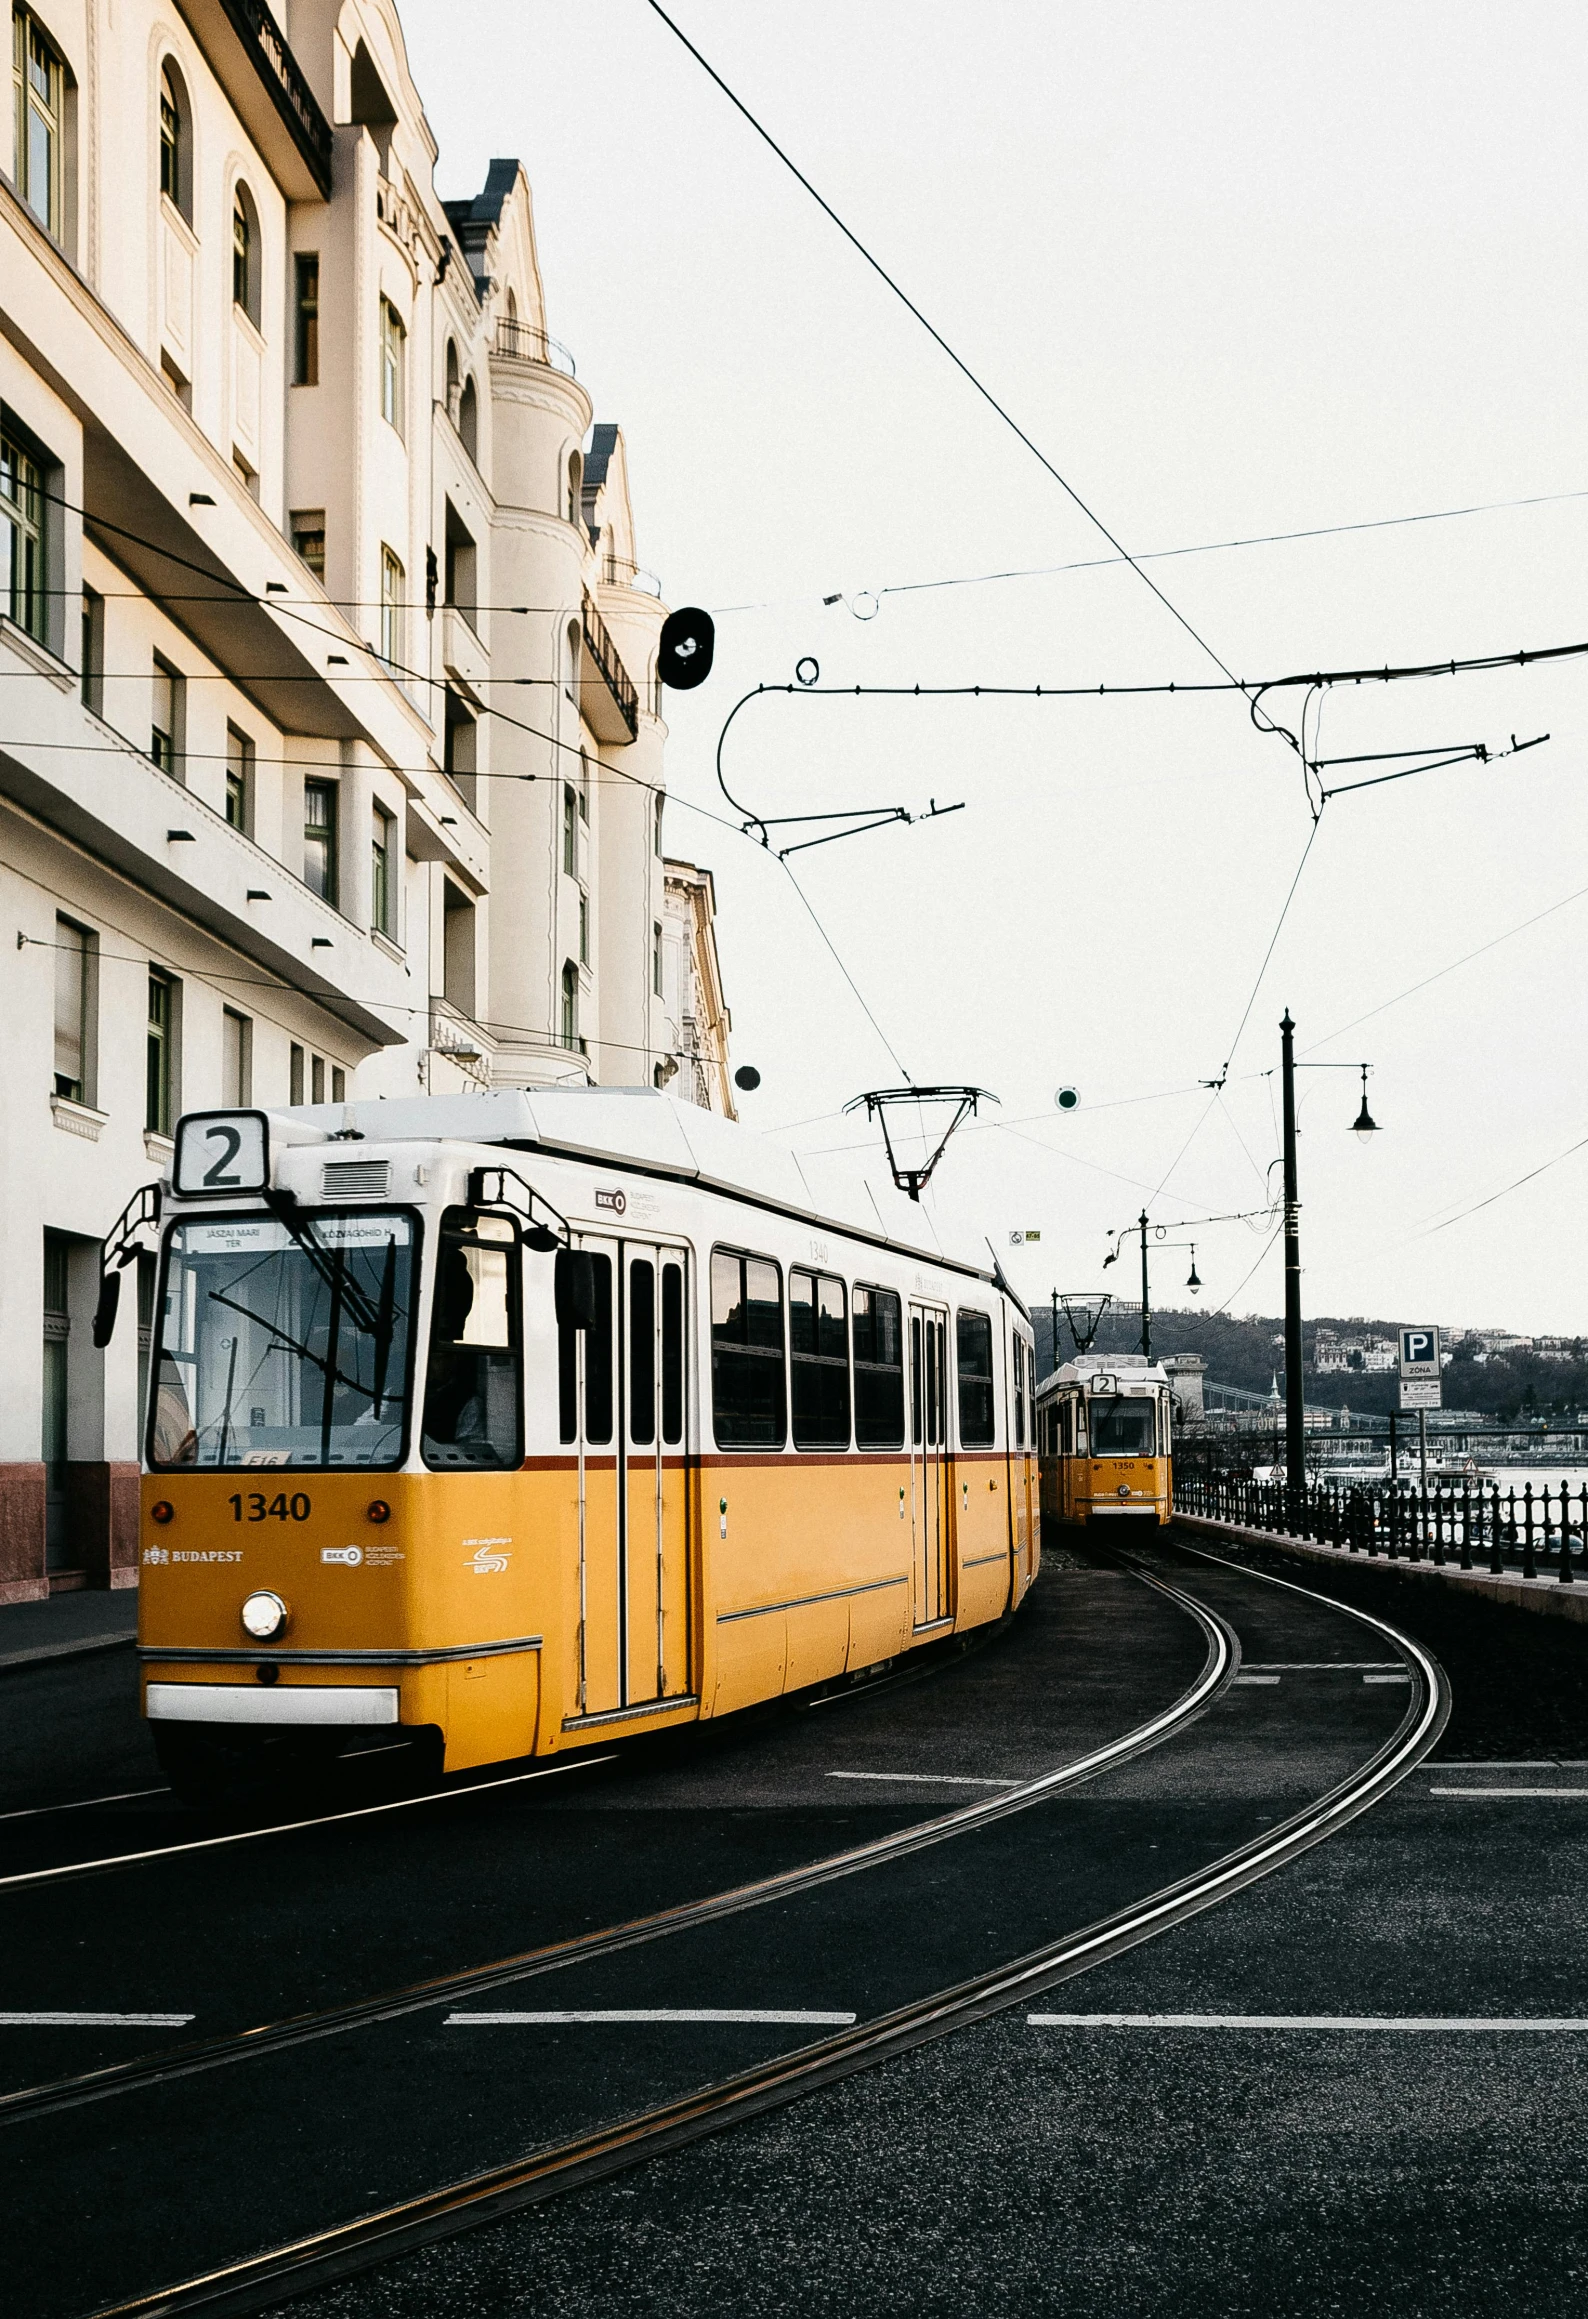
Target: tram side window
{"points": [[672, 1353], [818, 1336], [1020, 1393], [597, 1366], [748, 1401], [473, 1392], [879, 1369], [973, 1342]]}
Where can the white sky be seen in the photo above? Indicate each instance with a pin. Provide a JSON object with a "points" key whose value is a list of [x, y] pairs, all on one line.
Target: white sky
{"points": [[1238, 270]]}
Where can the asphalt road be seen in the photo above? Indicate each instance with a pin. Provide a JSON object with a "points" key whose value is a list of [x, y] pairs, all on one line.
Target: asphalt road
{"points": [[196, 2170], [1141, 2169]]}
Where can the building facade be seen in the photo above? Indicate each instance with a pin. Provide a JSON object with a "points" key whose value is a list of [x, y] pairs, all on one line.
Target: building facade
{"points": [[333, 749]]}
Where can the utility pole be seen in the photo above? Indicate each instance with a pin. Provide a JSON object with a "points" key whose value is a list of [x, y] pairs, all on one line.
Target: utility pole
{"points": [[1146, 1294], [1295, 1427]]}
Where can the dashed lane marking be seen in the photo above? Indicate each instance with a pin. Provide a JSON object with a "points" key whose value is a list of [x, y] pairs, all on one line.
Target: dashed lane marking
{"points": [[1245, 1676], [95, 2020], [935, 1779], [85, 1803], [1508, 1794], [1403, 1675], [1316, 1666], [1431, 2023], [777, 2015]]}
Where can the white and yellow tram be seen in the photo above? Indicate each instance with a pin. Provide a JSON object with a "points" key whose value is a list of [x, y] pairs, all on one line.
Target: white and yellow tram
{"points": [[1103, 1436], [527, 1418]]}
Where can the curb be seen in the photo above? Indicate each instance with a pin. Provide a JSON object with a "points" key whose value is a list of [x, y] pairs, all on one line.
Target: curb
{"points": [[1545, 1596], [47, 1653]]}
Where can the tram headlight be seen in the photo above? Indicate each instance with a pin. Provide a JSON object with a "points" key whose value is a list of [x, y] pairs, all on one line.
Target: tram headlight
{"points": [[264, 1616]]}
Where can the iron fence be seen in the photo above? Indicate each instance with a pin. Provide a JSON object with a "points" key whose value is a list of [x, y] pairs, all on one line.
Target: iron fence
{"points": [[1467, 1524]]}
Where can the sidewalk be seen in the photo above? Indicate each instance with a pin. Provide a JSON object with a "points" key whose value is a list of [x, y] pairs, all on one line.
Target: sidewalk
{"points": [[67, 1626], [1544, 1594]]}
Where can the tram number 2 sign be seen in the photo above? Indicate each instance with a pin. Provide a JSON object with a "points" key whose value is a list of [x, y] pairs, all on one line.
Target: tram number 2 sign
{"points": [[222, 1153]]}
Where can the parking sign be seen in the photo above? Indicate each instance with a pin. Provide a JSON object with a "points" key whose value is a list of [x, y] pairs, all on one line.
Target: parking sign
{"points": [[1420, 1369]]}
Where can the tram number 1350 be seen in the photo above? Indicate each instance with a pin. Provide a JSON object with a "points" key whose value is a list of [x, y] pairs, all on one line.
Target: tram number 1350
{"points": [[280, 1508]]}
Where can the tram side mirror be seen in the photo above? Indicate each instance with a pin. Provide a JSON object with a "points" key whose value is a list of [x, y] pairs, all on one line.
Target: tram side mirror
{"points": [[575, 1288], [541, 1238], [105, 1310]]}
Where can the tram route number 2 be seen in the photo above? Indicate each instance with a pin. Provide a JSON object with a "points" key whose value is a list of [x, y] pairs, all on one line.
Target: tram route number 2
{"points": [[280, 1508]]}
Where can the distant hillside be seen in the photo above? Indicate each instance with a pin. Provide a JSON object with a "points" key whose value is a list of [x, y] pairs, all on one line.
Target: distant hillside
{"points": [[1250, 1353]]}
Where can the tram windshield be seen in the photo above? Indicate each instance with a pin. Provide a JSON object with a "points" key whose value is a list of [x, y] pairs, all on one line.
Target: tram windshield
{"points": [[284, 1344], [1122, 1428]]}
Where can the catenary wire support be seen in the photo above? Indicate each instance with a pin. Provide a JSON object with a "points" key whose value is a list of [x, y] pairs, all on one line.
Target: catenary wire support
{"points": [[882, 1100], [854, 821]]}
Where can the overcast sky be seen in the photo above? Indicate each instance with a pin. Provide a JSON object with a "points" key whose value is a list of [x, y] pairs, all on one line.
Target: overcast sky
{"points": [[1238, 271]]}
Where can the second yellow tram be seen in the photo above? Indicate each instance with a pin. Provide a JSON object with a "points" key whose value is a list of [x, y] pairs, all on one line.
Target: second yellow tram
{"points": [[1103, 1440]]}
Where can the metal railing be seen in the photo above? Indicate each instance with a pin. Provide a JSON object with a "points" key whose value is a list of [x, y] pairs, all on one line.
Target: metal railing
{"points": [[526, 342], [1465, 1523], [266, 44], [605, 654]]}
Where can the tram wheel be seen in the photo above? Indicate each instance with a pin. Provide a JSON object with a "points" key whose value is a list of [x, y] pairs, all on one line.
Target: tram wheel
{"points": [[212, 1766]]}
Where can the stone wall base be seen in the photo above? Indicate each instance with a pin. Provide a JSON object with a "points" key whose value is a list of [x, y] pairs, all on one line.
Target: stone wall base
{"points": [[1544, 1595]]}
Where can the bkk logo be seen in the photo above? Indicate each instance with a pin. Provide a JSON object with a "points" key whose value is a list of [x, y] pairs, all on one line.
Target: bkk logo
{"points": [[352, 1556]]}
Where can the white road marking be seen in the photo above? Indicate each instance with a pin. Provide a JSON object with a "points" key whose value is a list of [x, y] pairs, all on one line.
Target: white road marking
{"points": [[933, 1779], [292, 1827], [87, 1803], [1433, 2023], [1509, 1792], [1521, 1763], [1403, 1676], [1315, 1666], [1245, 1677], [776, 2015], [95, 2020]]}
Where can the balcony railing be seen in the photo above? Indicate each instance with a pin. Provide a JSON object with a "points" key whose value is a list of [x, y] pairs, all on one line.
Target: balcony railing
{"points": [[621, 721], [524, 342], [266, 44]]}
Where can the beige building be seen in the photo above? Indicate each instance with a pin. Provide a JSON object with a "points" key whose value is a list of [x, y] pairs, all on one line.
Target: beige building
{"points": [[332, 753]]}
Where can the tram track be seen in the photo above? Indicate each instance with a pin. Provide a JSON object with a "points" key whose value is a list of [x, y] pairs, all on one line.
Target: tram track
{"points": [[1219, 1668], [402, 2227]]}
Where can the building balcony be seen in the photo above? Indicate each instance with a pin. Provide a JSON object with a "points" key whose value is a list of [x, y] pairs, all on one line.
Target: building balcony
{"points": [[607, 695], [248, 53], [525, 342], [463, 656]]}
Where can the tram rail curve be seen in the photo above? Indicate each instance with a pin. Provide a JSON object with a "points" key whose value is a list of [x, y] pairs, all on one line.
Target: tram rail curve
{"points": [[324, 2255]]}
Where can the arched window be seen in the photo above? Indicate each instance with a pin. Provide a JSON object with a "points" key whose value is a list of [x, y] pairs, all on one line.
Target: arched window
{"points": [[453, 382], [512, 304], [575, 485], [176, 141], [573, 660], [245, 254], [469, 420]]}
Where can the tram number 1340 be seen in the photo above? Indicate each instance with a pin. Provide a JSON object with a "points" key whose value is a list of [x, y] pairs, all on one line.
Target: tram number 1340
{"points": [[254, 1506]]}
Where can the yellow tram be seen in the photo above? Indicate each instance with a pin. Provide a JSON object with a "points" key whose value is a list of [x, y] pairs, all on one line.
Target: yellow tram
{"points": [[1103, 1433], [527, 1418]]}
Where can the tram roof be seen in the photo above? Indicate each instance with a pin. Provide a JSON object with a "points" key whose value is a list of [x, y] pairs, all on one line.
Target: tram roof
{"points": [[642, 1128], [1086, 1368]]}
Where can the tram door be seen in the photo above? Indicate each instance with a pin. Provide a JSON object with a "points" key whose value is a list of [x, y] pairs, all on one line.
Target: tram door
{"points": [[930, 1481], [634, 1536]]}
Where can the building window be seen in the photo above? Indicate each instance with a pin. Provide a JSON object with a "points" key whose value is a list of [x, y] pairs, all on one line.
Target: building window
{"points": [[295, 1073], [239, 780], [747, 1390], [316, 1078], [575, 483], [570, 1005], [818, 1335], [176, 173], [391, 608], [306, 328], [245, 254], [74, 1027], [573, 660], [237, 1058], [657, 835], [165, 718], [92, 672], [469, 420], [393, 340], [39, 83], [160, 1054], [56, 1397], [338, 1084], [22, 516], [570, 830], [584, 927], [382, 872], [973, 1331], [454, 382], [584, 786], [656, 960], [308, 539], [319, 839]]}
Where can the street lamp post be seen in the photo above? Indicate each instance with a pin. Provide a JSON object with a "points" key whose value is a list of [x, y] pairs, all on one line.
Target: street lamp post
{"points": [[1362, 1126]]}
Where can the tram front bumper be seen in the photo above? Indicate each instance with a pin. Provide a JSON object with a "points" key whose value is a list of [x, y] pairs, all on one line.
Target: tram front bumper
{"points": [[339, 1704]]}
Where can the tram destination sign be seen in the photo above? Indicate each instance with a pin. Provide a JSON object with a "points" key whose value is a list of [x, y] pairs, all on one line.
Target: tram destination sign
{"points": [[1420, 1369]]}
